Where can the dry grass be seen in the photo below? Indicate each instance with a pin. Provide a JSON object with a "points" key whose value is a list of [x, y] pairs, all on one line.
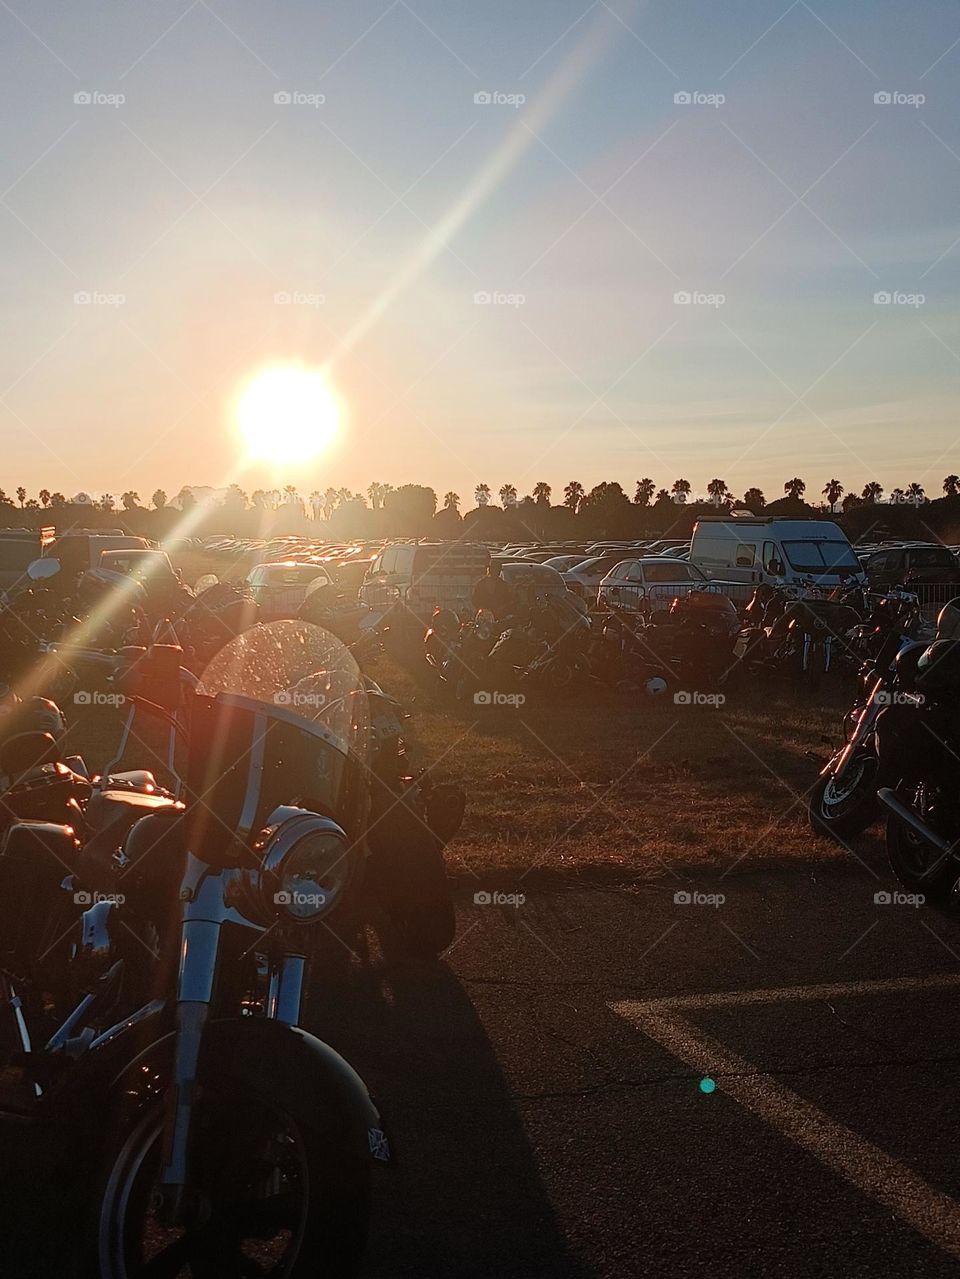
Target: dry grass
{"points": [[602, 779]]}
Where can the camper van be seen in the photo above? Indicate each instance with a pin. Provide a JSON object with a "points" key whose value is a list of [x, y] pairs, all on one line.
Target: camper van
{"points": [[773, 550]]}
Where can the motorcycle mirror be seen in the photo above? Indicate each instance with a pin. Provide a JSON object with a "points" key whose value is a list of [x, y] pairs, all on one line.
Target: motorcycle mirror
{"points": [[205, 582], [43, 569], [24, 751]]}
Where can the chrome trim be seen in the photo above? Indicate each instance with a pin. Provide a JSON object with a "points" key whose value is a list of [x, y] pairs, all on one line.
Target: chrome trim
{"points": [[292, 981]]}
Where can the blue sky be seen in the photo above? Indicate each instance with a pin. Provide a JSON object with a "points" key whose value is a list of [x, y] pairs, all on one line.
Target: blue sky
{"points": [[385, 209]]}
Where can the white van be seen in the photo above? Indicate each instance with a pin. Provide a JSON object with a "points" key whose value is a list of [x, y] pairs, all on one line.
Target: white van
{"points": [[777, 551]]}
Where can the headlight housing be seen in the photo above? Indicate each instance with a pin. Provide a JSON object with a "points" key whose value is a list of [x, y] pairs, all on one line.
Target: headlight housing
{"points": [[307, 863]]}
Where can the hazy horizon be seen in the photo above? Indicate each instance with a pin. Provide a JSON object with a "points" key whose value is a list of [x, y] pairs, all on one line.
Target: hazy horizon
{"points": [[491, 286]]}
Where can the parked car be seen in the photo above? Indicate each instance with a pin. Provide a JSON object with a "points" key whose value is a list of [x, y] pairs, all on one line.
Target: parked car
{"points": [[584, 578], [528, 580], [912, 565], [562, 563], [19, 547], [79, 550], [424, 576], [649, 584], [280, 588]]}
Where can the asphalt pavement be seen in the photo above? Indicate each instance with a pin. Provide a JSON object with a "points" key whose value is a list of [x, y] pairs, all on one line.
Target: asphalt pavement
{"points": [[746, 1073]]}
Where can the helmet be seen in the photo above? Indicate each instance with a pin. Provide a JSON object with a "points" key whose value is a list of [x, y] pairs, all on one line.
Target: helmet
{"points": [[948, 623]]}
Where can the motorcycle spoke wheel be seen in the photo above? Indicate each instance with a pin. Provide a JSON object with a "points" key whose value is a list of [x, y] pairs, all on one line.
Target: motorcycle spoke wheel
{"points": [[253, 1192]]}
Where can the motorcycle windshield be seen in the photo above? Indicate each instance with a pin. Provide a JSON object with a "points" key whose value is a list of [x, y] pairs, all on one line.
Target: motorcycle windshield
{"points": [[281, 717], [296, 668]]}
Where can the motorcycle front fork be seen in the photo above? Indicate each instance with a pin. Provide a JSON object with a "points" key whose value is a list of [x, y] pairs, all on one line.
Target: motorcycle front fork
{"points": [[196, 981]]}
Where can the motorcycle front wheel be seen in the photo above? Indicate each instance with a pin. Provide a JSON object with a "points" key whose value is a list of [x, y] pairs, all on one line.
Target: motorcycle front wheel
{"points": [[841, 809], [269, 1197]]}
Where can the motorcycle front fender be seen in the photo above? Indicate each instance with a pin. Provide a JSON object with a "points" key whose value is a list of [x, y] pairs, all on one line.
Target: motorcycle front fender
{"points": [[266, 1060]]}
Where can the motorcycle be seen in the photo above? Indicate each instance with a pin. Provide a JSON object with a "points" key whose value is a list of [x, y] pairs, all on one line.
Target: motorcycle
{"points": [[844, 802], [156, 950], [548, 645], [793, 630], [918, 749]]}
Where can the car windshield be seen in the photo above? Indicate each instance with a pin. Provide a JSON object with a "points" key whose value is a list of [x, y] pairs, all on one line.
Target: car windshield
{"points": [[819, 557], [296, 668]]}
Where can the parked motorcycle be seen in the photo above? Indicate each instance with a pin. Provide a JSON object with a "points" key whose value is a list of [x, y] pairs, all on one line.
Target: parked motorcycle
{"points": [[792, 631], [549, 645], [156, 952], [843, 803], [918, 749]]}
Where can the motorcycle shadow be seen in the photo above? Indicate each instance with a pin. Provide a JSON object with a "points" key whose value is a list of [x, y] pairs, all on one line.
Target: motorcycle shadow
{"points": [[465, 1197]]}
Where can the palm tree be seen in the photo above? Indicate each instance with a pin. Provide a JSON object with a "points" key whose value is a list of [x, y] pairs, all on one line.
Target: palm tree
{"points": [[508, 495], [795, 488], [754, 499], [316, 503], [872, 492], [897, 496], [541, 493], [44, 496], [451, 501], [645, 491], [681, 490], [129, 500], [107, 501], [951, 485], [916, 494], [330, 496], [21, 495], [573, 495], [663, 496], [718, 492], [832, 491], [58, 499], [375, 494], [481, 495]]}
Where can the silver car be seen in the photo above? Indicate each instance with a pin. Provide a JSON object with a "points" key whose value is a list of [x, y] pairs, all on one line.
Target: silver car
{"points": [[652, 582]]}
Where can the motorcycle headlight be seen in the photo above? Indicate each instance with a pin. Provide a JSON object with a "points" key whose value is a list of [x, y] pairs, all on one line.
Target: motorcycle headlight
{"points": [[307, 863]]}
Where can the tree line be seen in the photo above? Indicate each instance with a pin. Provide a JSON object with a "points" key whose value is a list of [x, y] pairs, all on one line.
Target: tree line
{"points": [[606, 509]]}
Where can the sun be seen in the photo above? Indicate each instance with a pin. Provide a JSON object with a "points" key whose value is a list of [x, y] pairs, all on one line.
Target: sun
{"points": [[287, 414]]}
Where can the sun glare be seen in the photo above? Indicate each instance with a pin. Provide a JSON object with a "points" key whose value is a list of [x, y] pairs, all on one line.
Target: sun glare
{"points": [[287, 414]]}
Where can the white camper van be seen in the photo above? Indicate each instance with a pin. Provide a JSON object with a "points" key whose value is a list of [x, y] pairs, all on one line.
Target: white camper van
{"points": [[758, 548]]}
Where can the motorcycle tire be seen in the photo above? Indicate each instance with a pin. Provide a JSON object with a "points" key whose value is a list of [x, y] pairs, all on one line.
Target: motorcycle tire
{"points": [[841, 812], [329, 1187], [908, 855]]}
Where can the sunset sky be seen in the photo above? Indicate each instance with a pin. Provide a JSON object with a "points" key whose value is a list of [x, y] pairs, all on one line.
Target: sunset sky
{"points": [[382, 211]]}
